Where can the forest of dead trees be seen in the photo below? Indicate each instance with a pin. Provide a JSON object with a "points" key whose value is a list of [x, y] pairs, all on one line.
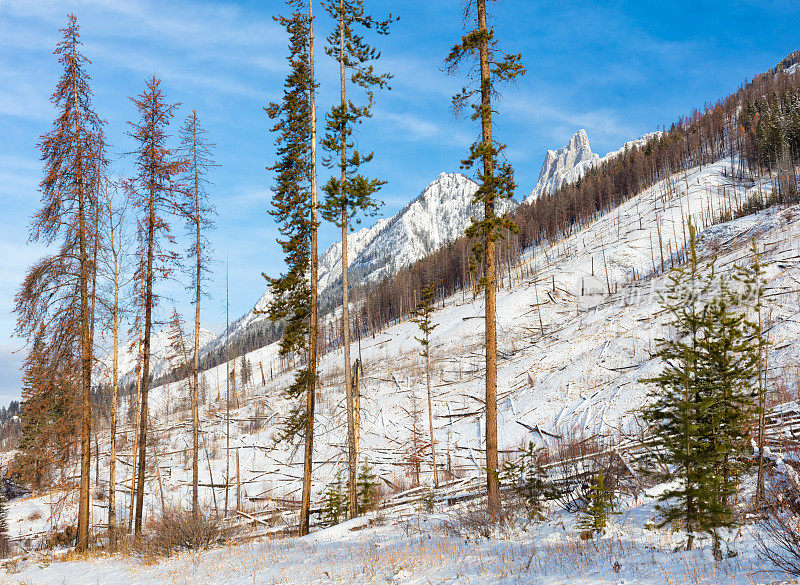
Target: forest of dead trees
{"points": [[112, 239]]}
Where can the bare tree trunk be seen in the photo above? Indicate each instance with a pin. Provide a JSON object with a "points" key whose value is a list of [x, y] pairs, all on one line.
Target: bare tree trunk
{"points": [[227, 393], [112, 464], [196, 366], [136, 422], [352, 498], [492, 481], [308, 458], [148, 323], [430, 416]]}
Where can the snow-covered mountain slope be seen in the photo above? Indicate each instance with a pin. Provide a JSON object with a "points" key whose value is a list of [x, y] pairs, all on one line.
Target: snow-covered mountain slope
{"points": [[571, 162], [161, 355], [437, 216], [577, 325]]}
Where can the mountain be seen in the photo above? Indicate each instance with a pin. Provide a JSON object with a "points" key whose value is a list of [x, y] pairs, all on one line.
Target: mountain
{"points": [[571, 162], [565, 165], [437, 216]]}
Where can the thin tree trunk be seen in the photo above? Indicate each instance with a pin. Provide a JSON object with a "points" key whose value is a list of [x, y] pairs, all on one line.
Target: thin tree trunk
{"points": [[82, 540], [136, 420], [112, 464], [308, 458], [430, 413], [352, 502], [196, 367], [492, 480], [227, 392], [148, 323]]}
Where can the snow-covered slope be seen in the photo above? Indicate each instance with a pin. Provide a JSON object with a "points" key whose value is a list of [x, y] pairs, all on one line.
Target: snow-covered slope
{"points": [[161, 355], [577, 324], [572, 353]]}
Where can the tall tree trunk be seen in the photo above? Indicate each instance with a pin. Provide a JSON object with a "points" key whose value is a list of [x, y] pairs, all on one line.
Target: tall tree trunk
{"points": [[112, 464], [308, 458], [82, 541], [148, 322], [492, 481], [196, 365], [227, 392], [352, 457], [137, 418]]}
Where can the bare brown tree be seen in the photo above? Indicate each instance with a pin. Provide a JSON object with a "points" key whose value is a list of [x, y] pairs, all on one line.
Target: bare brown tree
{"points": [[54, 299], [155, 190]]}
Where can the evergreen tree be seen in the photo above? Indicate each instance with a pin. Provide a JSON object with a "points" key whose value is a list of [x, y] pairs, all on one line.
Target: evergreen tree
{"points": [[528, 478], [154, 189], [599, 507], [334, 501], [56, 291], [677, 407], [752, 279], [294, 205], [351, 193], [728, 365], [422, 317], [491, 67], [368, 488], [705, 401]]}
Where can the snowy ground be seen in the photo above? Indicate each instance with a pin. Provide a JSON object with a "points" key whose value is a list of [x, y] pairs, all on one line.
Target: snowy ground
{"points": [[421, 550]]}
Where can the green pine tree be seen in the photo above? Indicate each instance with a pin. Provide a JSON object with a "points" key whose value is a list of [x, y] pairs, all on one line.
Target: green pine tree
{"points": [[489, 67], [423, 318], [599, 507], [294, 206], [677, 406], [368, 488], [334, 501], [528, 478], [351, 193], [728, 367]]}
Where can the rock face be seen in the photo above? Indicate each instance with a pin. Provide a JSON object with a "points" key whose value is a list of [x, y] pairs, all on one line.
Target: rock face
{"points": [[565, 165]]}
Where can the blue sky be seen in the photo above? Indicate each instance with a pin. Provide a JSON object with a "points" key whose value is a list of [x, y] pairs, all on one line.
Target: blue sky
{"points": [[617, 69]]}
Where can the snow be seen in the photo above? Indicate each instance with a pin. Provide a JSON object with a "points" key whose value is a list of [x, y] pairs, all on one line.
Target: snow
{"points": [[565, 165], [420, 549]]}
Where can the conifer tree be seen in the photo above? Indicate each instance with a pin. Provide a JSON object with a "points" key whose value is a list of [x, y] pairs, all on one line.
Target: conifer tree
{"points": [[56, 291], [677, 405], [294, 205], [422, 317], [155, 189], [728, 366], [351, 193], [198, 212], [599, 507], [490, 67]]}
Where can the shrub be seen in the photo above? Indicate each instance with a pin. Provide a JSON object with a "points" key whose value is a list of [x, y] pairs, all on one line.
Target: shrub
{"points": [[178, 529], [781, 522]]}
